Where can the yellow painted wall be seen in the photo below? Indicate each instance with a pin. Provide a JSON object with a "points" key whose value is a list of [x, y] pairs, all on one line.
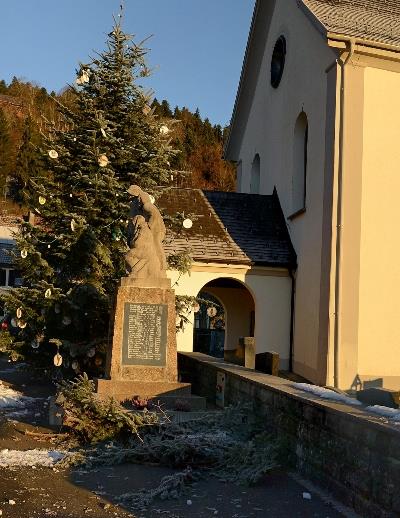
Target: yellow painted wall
{"points": [[271, 294], [379, 301]]}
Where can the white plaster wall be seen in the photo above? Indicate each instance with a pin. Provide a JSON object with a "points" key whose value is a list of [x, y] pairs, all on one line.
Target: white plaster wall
{"points": [[6, 232], [270, 133], [271, 296]]}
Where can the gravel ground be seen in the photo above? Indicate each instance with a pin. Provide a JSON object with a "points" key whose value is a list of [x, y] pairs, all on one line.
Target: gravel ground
{"points": [[43, 492]]}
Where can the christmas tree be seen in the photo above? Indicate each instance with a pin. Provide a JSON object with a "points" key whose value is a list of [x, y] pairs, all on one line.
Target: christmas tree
{"points": [[72, 259]]}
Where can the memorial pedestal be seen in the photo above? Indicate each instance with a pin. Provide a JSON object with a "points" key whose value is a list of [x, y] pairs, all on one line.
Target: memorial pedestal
{"points": [[143, 358]]}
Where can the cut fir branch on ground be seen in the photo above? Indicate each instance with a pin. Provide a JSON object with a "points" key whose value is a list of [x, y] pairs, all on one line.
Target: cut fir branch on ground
{"points": [[231, 445]]}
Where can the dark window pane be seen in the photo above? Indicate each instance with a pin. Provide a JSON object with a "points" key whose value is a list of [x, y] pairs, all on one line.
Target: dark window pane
{"points": [[2, 277], [11, 278]]}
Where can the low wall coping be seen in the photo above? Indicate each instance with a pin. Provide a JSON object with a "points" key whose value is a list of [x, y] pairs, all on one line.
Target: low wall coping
{"points": [[286, 387]]}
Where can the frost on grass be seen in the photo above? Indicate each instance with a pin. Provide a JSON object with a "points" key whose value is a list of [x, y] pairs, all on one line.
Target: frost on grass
{"points": [[29, 458], [324, 393], [390, 413]]}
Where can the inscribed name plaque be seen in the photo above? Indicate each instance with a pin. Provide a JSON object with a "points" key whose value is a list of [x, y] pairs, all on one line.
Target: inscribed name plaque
{"points": [[144, 339]]}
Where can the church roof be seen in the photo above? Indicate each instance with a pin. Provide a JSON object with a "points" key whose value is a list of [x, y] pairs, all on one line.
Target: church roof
{"points": [[230, 228], [374, 20]]}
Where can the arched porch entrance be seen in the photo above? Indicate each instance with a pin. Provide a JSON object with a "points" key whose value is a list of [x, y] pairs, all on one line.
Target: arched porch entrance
{"points": [[226, 314]]}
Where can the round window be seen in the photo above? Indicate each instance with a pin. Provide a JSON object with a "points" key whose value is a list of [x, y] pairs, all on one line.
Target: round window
{"points": [[278, 62]]}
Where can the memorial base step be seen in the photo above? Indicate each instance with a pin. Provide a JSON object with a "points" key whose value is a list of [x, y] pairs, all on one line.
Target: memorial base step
{"points": [[183, 403], [125, 390]]}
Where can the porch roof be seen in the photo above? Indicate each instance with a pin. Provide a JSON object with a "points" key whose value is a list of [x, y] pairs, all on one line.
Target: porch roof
{"points": [[230, 228]]}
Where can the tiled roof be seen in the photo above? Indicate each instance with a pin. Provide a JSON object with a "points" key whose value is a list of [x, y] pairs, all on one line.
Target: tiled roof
{"points": [[5, 249], [375, 20], [230, 228]]}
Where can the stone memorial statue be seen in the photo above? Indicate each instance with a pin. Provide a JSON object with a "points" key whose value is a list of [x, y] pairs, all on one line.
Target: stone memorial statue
{"points": [[146, 233]]}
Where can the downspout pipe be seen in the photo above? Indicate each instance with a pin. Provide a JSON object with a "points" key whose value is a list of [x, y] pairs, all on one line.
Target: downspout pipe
{"points": [[292, 299], [339, 214]]}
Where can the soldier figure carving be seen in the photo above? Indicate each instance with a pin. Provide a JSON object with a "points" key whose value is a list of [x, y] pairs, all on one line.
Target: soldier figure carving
{"points": [[146, 232]]}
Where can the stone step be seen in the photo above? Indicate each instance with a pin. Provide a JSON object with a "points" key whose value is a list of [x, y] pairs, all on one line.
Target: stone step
{"points": [[123, 390]]}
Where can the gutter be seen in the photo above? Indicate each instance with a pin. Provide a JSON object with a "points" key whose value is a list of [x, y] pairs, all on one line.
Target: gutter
{"points": [[339, 213], [335, 37]]}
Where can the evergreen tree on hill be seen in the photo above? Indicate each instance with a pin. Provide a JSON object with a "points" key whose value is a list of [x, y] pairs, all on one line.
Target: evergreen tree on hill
{"points": [[73, 259], [5, 151]]}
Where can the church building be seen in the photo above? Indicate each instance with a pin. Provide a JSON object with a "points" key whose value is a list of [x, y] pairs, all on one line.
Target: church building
{"points": [[316, 121]]}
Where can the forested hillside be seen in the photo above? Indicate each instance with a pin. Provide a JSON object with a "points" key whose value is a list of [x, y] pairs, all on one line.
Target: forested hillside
{"points": [[26, 110]]}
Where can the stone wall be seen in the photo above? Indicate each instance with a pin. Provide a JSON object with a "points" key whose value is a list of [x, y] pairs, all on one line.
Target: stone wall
{"points": [[352, 453]]}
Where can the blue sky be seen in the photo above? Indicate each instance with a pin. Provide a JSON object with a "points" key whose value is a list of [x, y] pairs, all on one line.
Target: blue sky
{"points": [[197, 48]]}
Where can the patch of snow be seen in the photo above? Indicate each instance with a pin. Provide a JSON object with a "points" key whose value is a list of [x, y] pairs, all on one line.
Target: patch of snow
{"points": [[31, 458], [14, 402], [326, 393], [10, 398], [384, 411]]}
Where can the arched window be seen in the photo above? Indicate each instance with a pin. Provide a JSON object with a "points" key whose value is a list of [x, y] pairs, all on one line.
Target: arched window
{"points": [[255, 175], [300, 152]]}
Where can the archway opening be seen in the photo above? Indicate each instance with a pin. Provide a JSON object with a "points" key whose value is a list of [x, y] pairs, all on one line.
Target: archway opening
{"points": [[225, 314]]}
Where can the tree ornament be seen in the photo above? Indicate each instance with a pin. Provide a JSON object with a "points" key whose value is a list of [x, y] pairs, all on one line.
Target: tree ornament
{"points": [[48, 246], [19, 312], [103, 133], [13, 322], [164, 130], [116, 234], [57, 360], [75, 365], [53, 154], [85, 77], [24, 253], [103, 161], [21, 324], [66, 320], [187, 223], [70, 195], [4, 326], [35, 344], [47, 293], [91, 352], [73, 225], [42, 200], [212, 311]]}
